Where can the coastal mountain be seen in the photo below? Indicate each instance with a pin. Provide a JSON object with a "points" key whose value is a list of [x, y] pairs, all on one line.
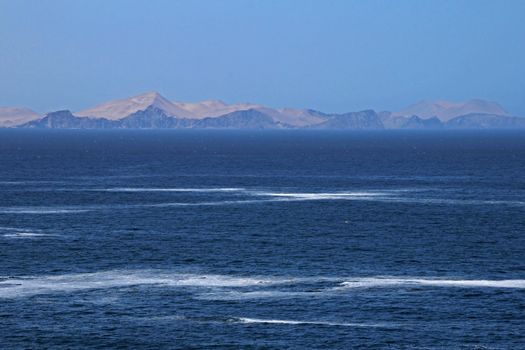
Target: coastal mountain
{"points": [[295, 117], [153, 111], [243, 119], [119, 109], [486, 121], [213, 108], [150, 118], [391, 121], [66, 120], [216, 108], [446, 110], [13, 116], [368, 119], [155, 118]]}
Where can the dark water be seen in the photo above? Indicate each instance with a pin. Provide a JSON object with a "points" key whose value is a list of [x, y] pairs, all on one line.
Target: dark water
{"points": [[262, 240]]}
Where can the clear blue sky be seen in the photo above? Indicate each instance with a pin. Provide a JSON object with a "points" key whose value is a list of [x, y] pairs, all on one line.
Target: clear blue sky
{"points": [[333, 56]]}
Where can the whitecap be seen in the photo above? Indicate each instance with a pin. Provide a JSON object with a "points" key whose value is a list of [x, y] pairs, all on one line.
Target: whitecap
{"points": [[209, 203], [393, 282], [253, 321], [297, 196], [176, 189], [41, 210], [28, 286], [21, 234], [29, 182], [300, 322], [222, 287]]}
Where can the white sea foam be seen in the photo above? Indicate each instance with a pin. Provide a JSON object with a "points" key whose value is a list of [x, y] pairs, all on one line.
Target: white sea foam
{"points": [[28, 286], [41, 210], [210, 286], [16, 232], [254, 321], [396, 196], [225, 281], [297, 196], [209, 203], [261, 196], [21, 234], [393, 282], [314, 323], [141, 189], [10, 183]]}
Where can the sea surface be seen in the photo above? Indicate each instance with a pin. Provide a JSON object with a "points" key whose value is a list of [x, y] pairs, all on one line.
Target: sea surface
{"points": [[262, 240]]}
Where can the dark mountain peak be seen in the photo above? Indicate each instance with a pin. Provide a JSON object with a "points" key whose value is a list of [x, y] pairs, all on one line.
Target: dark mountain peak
{"points": [[64, 119], [62, 112], [243, 119], [416, 122], [366, 119]]}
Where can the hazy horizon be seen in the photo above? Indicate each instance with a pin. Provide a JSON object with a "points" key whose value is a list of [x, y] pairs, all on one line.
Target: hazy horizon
{"points": [[336, 57]]}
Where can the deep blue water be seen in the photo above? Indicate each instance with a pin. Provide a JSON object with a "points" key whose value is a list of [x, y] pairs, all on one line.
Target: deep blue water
{"points": [[262, 240]]}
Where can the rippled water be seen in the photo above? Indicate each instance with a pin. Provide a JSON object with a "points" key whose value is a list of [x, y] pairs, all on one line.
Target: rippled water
{"points": [[199, 239]]}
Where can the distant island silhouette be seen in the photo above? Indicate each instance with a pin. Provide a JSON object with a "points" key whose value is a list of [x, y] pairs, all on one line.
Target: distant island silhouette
{"points": [[153, 111]]}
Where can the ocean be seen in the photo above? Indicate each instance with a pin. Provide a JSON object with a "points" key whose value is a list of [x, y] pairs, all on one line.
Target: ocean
{"points": [[262, 239]]}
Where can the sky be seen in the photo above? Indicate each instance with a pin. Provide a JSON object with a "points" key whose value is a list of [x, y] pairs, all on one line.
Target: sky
{"points": [[334, 56]]}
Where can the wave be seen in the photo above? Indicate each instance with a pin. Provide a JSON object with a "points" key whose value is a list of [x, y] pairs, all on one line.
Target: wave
{"points": [[425, 282], [29, 286], [84, 209], [323, 195], [30, 182], [141, 189], [320, 289], [225, 287], [225, 281], [41, 210], [249, 320], [247, 196], [210, 203], [277, 198], [390, 196], [22, 234], [257, 193], [315, 323]]}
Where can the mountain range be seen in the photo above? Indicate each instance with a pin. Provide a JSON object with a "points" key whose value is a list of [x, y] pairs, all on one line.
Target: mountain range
{"points": [[153, 111]]}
